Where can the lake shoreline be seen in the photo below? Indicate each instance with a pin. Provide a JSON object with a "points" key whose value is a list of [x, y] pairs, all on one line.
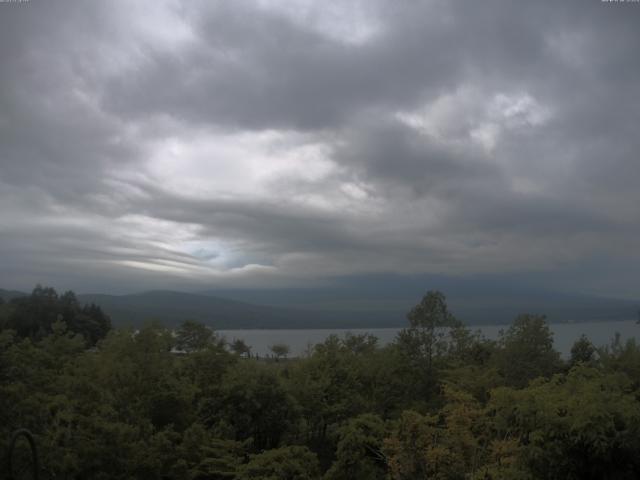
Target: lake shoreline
{"points": [[565, 334]]}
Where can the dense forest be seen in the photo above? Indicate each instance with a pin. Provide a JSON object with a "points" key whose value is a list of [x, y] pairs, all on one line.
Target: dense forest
{"points": [[439, 402]]}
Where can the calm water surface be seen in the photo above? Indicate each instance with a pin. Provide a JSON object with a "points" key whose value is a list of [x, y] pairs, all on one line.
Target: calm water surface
{"points": [[600, 333]]}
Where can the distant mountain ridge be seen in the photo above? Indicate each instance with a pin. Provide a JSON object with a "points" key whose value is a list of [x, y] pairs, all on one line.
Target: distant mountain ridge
{"points": [[338, 307], [172, 307], [475, 301], [7, 295]]}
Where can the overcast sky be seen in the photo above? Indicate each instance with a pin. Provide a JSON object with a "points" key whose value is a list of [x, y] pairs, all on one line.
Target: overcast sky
{"points": [[195, 144]]}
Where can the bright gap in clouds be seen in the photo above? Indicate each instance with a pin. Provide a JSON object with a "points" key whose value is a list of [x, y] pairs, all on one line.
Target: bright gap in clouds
{"points": [[218, 165]]}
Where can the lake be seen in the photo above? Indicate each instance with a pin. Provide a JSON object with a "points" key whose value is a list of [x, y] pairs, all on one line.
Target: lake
{"points": [[600, 333]]}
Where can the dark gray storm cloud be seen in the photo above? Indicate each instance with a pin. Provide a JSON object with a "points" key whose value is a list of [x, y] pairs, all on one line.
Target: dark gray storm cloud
{"points": [[182, 144]]}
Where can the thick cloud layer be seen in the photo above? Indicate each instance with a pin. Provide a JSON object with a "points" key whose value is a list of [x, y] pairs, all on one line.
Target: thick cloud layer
{"points": [[190, 144]]}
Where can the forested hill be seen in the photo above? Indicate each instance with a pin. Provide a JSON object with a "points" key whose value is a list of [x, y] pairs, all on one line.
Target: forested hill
{"points": [[172, 307], [387, 304], [7, 295], [343, 307]]}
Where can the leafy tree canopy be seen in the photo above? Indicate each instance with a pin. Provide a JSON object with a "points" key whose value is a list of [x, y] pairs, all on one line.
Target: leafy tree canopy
{"points": [[33, 316]]}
